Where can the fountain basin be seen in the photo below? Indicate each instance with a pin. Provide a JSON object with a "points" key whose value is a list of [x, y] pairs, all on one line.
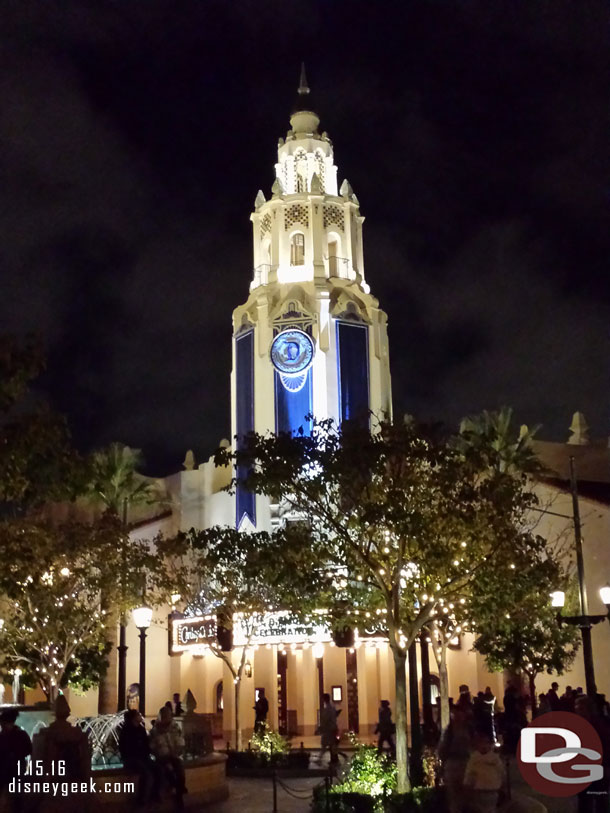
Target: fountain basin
{"points": [[205, 779]]}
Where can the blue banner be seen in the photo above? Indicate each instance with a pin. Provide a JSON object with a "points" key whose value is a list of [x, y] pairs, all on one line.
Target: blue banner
{"points": [[293, 401], [353, 363], [244, 382]]}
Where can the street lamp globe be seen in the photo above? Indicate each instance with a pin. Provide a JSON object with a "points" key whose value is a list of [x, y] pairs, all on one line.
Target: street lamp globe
{"points": [[317, 650], [558, 598], [605, 594], [142, 616]]}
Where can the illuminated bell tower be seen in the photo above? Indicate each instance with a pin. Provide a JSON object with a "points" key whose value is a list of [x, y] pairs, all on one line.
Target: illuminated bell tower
{"points": [[311, 339]]}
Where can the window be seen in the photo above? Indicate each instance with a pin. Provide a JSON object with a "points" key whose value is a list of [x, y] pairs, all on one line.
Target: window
{"points": [[297, 249], [333, 251]]}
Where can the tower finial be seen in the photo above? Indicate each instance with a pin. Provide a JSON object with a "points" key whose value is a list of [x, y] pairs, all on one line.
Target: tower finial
{"points": [[303, 86]]}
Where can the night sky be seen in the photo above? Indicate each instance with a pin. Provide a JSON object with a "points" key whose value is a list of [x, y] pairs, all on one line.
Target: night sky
{"points": [[135, 136]]}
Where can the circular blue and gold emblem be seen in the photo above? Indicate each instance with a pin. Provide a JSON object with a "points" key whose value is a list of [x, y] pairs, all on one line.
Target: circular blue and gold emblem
{"points": [[292, 352]]}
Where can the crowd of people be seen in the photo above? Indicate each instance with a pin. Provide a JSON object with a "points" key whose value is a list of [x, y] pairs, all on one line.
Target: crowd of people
{"points": [[473, 772], [553, 701], [154, 756]]}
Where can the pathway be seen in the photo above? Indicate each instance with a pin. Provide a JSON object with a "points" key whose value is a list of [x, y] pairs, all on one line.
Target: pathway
{"points": [[256, 796]]}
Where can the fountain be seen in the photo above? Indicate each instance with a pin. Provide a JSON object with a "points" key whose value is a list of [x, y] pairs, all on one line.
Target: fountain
{"points": [[16, 685], [103, 738]]}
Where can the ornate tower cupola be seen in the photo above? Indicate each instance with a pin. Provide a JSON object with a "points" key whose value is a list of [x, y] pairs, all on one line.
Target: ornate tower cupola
{"points": [[311, 339], [308, 230]]}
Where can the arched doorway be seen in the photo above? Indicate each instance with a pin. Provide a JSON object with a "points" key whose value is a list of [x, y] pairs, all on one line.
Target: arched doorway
{"points": [[218, 698], [218, 706]]}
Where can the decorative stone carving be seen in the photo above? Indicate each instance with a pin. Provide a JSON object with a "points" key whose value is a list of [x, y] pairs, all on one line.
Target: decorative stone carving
{"points": [[189, 460], [196, 728], [259, 199], [65, 742], [579, 430], [346, 190]]}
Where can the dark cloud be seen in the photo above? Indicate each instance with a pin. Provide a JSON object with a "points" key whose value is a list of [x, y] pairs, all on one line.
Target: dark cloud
{"points": [[135, 136]]}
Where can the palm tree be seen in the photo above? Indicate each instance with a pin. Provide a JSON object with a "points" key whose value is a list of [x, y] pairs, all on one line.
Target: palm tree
{"points": [[495, 430], [114, 483]]}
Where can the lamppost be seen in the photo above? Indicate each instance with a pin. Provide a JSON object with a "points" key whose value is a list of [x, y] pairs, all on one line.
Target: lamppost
{"points": [[122, 647], [584, 622], [142, 616], [317, 651]]}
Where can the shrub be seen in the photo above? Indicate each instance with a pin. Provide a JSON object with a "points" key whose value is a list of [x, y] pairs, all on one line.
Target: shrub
{"points": [[368, 774], [269, 745]]}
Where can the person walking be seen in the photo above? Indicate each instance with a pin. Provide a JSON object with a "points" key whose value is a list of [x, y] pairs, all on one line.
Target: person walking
{"points": [[329, 730], [594, 799], [454, 751], [135, 753], [167, 745], [465, 700], [567, 700], [489, 702], [385, 729], [479, 713], [544, 705], [261, 710], [553, 697], [484, 776], [15, 747], [514, 717]]}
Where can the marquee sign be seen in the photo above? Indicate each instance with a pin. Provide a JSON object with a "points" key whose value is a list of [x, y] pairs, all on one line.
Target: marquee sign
{"points": [[280, 628], [193, 632]]}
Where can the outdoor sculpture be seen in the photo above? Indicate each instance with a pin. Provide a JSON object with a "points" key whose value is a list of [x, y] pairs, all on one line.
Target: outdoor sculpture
{"points": [[65, 744], [196, 729], [133, 696], [16, 685]]}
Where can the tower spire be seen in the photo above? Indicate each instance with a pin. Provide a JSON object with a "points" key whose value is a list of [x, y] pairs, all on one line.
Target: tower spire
{"points": [[303, 86]]}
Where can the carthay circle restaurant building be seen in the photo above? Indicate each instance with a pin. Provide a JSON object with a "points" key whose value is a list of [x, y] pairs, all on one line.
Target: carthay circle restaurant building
{"points": [[311, 338]]}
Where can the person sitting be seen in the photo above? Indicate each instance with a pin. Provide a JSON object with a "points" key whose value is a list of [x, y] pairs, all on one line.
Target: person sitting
{"points": [[167, 745], [136, 756], [15, 746]]}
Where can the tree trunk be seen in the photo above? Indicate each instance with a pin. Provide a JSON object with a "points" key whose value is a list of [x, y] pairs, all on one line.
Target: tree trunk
{"points": [[532, 682], [402, 753], [443, 678], [108, 690], [238, 739]]}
